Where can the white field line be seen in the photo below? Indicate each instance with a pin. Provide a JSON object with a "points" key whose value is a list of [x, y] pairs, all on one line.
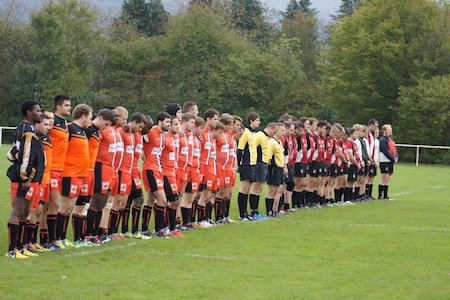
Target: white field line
{"points": [[97, 250], [438, 229], [404, 193], [438, 187]]}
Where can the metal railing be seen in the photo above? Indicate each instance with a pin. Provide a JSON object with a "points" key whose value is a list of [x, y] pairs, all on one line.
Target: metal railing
{"points": [[418, 149]]}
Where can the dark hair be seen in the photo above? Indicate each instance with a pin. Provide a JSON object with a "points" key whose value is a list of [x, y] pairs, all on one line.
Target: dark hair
{"points": [[161, 116], [236, 118], [372, 122], [226, 119], [187, 117], [321, 124], [188, 105], [172, 108], [47, 110], [44, 116], [28, 105], [210, 113], [106, 114], [199, 121], [138, 118], [149, 122], [219, 126], [59, 100], [252, 117]]}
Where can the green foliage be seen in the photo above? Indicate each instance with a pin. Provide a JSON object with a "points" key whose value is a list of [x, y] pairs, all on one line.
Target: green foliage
{"points": [[424, 112], [348, 7], [147, 16], [383, 46]]}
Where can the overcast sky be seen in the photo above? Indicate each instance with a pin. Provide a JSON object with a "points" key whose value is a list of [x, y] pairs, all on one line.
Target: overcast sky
{"points": [[324, 7]]}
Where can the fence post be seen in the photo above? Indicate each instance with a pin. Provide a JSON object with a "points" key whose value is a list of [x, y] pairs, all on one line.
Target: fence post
{"points": [[1, 135], [417, 156]]}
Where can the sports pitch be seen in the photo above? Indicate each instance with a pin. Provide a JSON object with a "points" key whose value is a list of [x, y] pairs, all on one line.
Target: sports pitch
{"points": [[372, 250]]}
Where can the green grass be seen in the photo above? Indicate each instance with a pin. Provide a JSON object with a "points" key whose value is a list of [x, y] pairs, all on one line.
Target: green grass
{"points": [[373, 250]]}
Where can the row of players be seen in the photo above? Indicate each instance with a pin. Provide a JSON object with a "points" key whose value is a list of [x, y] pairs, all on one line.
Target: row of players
{"points": [[98, 162]]}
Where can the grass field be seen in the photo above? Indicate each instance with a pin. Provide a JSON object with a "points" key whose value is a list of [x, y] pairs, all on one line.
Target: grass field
{"points": [[373, 250]]}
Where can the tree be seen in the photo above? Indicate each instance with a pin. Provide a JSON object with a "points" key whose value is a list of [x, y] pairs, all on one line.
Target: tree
{"points": [[248, 17], [305, 7], [347, 7], [424, 112], [147, 17], [292, 8], [384, 45]]}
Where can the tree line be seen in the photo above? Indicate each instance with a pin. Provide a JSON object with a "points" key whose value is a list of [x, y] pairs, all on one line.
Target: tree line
{"points": [[383, 59]]}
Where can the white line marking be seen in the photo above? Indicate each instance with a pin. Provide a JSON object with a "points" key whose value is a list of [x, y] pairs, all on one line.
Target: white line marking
{"points": [[152, 252], [438, 187], [438, 229], [404, 193]]}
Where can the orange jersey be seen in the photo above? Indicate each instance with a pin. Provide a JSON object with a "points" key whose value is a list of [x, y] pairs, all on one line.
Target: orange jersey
{"points": [[233, 147], [206, 146], [223, 151], [59, 135], [47, 143], [120, 150], [107, 148], [194, 145], [93, 137], [168, 155], [153, 145], [137, 155], [183, 152], [77, 156], [129, 145], [176, 143]]}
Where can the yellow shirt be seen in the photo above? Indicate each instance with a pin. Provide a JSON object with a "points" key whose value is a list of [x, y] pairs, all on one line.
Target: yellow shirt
{"points": [[262, 147], [276, 153], [247, 145]]}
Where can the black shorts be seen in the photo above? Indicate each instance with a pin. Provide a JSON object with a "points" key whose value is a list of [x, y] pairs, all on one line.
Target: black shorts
{"points": [[170, 195], [314, 169], [275, 176], [261, 171], [387, 167], [335, 170], [135, 192], [352, 172], [361, 171], [290, 175], [301, 170], [247, 172], [372, 171], [326, 170]]}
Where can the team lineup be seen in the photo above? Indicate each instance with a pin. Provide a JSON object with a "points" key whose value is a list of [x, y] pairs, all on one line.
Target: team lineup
{"points": [[94, 169]]}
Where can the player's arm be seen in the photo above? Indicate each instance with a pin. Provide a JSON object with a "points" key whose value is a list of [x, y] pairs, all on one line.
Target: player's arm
{"points": [[384, 148], [243, 140]]}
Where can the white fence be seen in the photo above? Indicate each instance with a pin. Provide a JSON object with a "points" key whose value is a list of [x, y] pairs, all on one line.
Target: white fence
{"points": [[418, 149]]}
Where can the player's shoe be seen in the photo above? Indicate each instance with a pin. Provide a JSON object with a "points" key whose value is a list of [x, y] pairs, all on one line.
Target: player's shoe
{"points": [[230, 220], [206, 224], [198, 226], [28, 253], [176, 233], [53, 247], [160, 234], [34, 248], [128, 235], [15, 254], [60, 244], [40, 247], [67, 243], [104, 239]]}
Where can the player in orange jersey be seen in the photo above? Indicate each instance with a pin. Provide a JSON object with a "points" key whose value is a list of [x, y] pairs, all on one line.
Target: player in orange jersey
{"points": [[104, 180], [136, 198], [186, 140], [127, 133], [152, 169], [79, 216], [168, 162], [189, 206], [76, 168], [225, 167], [207, 168], [36, 207], [59, 135]]}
